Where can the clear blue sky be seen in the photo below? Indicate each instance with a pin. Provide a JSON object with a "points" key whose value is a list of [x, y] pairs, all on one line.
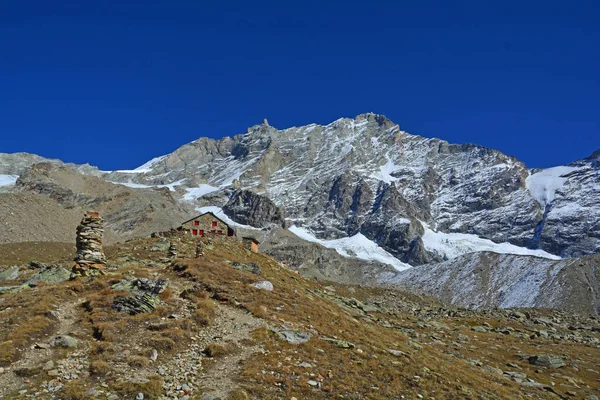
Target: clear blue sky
{"points": [[115, 83]]}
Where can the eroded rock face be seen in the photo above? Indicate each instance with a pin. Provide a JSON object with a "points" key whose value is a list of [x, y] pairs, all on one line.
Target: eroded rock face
{"points": [[249, 208]]}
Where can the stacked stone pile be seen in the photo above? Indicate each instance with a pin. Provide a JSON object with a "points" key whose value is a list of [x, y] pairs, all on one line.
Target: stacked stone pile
{"points": [[90, 259], [172, 252]]}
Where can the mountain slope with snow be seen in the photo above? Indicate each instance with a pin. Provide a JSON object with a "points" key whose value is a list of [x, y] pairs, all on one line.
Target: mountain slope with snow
{"points": [[490, 280], [365, 175]]}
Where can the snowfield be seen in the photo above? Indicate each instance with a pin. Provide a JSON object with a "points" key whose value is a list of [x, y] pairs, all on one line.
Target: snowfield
{"points": [[171, 186], [451, 245], [8, 180], [357, 246], [193, 193], [145, 168], [543, 184]]}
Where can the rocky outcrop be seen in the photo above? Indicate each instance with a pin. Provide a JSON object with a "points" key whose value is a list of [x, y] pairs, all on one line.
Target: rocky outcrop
{"points": [[90, 259], [144, 295], [249, 208]]}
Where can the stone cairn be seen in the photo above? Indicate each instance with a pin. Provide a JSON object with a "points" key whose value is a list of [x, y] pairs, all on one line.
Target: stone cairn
{"points": [[172, 253], [90, 259]]}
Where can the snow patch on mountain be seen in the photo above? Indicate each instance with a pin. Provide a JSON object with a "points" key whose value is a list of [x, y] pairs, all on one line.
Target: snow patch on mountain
{"points": [[543, 184], [171, 186], [194, 193], [8, 180], [451, 245], [385, 172], [357, 246], [231, 169], [144, 168]]}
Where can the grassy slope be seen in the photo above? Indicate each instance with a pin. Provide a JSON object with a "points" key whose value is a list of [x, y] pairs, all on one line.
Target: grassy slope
{"points": [[433, 365]]}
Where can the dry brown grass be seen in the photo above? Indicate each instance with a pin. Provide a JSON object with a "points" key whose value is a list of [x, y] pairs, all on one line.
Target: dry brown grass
{"points": [[129, 390], [215, 350], [375, 373], [204, 312], [138, 361], [46, 252], [74, 390], [371, 374], [27, 318], [238, 394], [99, 368], [161, 343]]}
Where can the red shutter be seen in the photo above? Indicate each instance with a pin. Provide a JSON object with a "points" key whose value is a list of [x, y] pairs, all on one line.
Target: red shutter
{"points": [[196, 223], [214, 223], [195, 232], [201, 232]]}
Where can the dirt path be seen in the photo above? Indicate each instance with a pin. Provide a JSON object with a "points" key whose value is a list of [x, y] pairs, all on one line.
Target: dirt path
{"points": [[232, 328], [214, 378], [34, 356]]}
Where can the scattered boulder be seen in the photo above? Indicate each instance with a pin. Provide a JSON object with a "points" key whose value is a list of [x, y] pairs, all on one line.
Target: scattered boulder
{"points": [[293, 336], [136, 304], [493, 370], [547, 360], [397, 353], [50, 274], [64, 341], [10, 274], [161, 245], [253, 268], [144, 285], [144, 297], [339, 343], [264, 285]]}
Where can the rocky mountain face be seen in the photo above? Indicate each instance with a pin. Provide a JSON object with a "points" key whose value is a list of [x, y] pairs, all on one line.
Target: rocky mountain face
{"points": [[490, 280], [571, 211], [53, 196], [365, 175], [249, 208], [18, 163]]}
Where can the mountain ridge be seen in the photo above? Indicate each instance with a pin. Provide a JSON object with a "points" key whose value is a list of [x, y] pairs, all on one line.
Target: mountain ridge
{"points": [[365, 175]]}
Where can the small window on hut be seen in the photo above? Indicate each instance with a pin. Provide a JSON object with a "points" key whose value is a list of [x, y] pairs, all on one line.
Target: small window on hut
{"points": [[201, 232], [220, 232], [195, 232], [214, 223], [196, 223]]}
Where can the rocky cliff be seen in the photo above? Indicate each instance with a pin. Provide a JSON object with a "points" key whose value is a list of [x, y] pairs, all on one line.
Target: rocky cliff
{"points": [[249, 208]]}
